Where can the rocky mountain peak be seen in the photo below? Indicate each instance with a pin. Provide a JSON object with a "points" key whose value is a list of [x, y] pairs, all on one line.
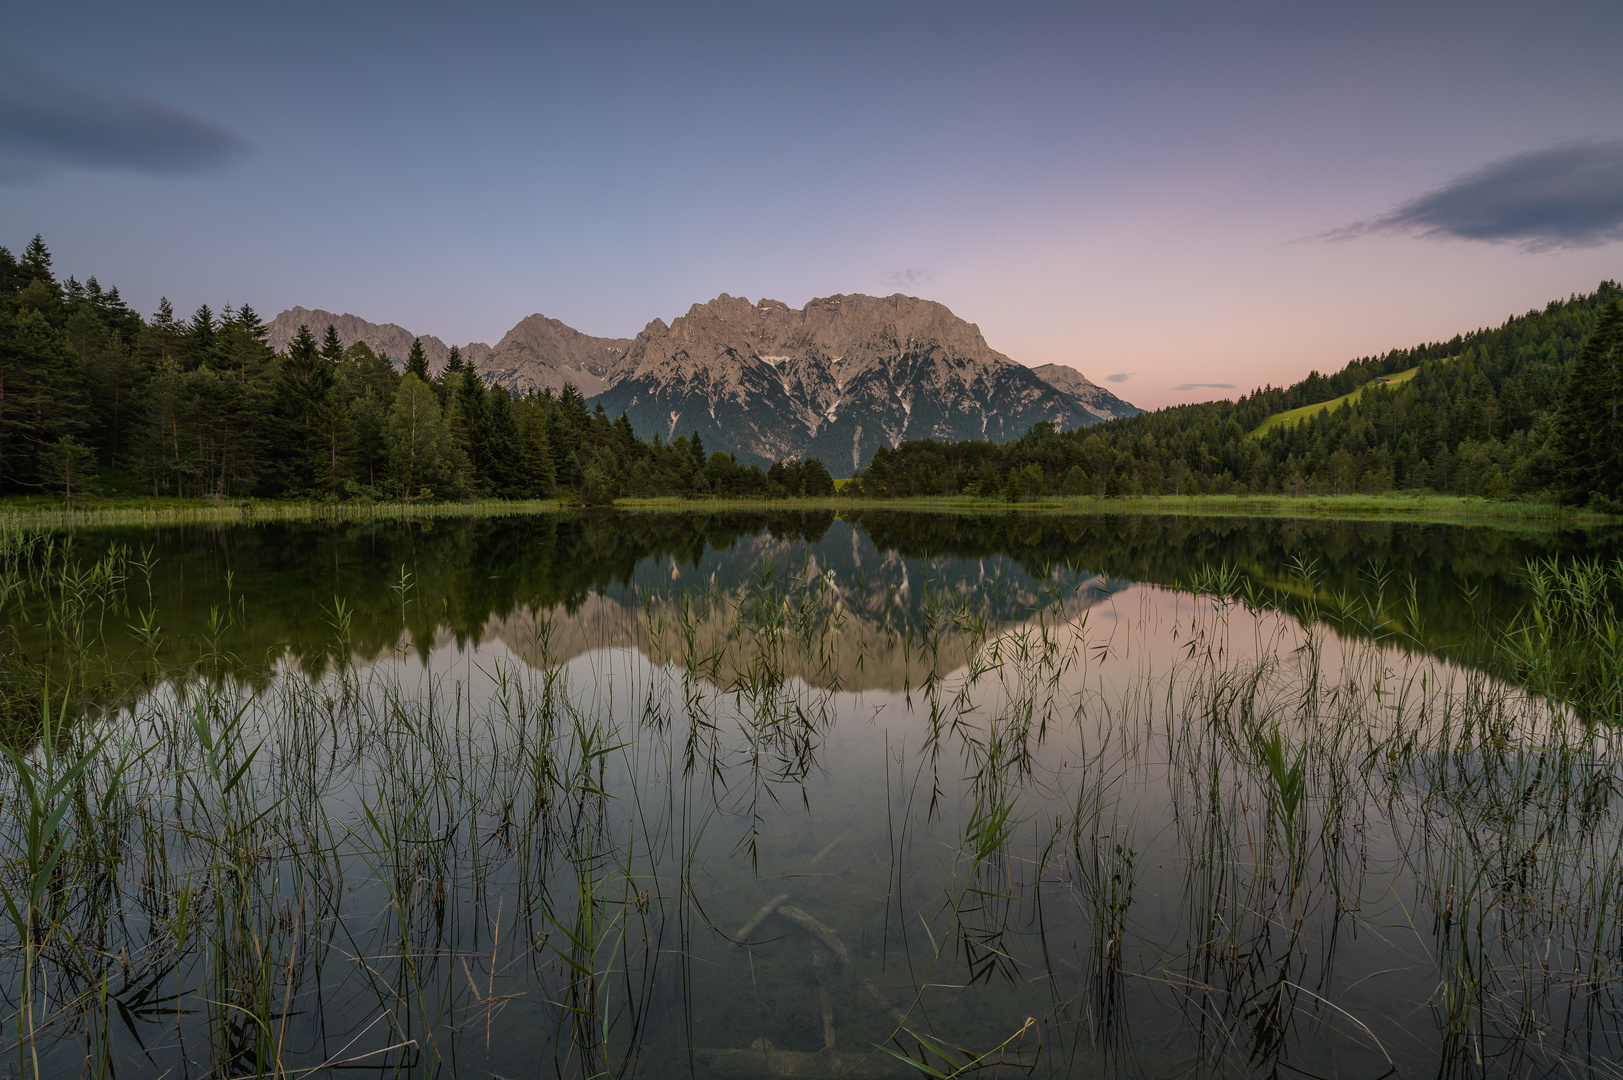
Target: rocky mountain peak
{"points": [[388, 339], [1095, 398], [542, 353], [838, 378]]}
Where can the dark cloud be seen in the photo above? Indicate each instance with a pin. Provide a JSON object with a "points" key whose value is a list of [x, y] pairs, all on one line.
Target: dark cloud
{"points": [[1566, 196], [48, 124], [909, 278], [1204, 386], [1120, 376]]}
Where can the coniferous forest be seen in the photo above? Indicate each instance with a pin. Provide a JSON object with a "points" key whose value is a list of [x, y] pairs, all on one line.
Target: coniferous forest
{"points": [[95, 398], [1531, 409]]}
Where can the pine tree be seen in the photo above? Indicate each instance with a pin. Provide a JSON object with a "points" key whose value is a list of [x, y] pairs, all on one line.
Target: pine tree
{"points": [[36, 262], [367, 417], [417, 360], [469, 424], [199, 342], [334, 463], [502, 446], [332, 350], [539, 477], [165, 329], [41, 394], [241, 347], [1589, 466], [815, 479], [300, 447]]}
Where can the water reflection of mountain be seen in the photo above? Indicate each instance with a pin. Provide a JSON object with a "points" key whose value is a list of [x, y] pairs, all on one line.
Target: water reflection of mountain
{"points": [[811, 628], [596, 581], [256, 594]]}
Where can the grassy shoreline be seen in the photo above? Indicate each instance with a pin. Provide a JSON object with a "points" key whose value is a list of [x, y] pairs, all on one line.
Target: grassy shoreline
{"points": [[1426, 508], [36, 512], [41, 512]]}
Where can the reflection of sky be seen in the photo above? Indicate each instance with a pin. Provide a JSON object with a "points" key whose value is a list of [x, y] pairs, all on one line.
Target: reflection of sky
{"points": [[1110, 743], [1124, 188]]}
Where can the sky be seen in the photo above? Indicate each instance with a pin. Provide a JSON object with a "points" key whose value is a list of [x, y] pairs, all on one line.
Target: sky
{"points": [[1182, 200]]}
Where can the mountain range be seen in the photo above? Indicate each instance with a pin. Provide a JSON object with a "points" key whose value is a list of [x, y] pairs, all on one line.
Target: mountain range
{"points": [[836, 379]]}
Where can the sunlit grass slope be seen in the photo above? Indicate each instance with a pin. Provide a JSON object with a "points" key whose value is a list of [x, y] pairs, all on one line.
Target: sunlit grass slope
{"points": [[1296, 416]]}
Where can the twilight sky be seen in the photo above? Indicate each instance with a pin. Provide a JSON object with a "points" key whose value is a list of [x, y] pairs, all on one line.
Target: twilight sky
{"points": [[1183, 201]]}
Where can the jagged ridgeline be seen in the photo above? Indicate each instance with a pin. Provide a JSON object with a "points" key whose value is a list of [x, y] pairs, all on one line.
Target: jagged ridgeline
{"points": [[730, 399], [1530, 408], [764, 382]]}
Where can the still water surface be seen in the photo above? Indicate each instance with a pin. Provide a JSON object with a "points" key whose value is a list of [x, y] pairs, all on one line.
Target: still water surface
{"points": [[792, 796]]}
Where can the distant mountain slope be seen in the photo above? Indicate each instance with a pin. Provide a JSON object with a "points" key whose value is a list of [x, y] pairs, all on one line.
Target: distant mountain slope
{"points": [[381, 338], [1095, 398], [540, 353], [537, 354], [836, 379]]}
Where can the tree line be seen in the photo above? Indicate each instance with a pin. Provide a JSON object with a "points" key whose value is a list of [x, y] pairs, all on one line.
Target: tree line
{"points": [[93, 397], [1532, 408]]}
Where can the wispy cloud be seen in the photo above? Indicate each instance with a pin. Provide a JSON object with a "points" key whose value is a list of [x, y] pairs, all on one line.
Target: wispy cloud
{"points": [[1569, 195], [48, 124], [1204, 386], [1120, 376], [908, 278]]}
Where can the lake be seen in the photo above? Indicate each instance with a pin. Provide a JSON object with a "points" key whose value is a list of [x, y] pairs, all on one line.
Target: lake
{"points": [[798, 795]]}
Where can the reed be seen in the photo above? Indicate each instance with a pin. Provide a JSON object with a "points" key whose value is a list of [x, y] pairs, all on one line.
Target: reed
{"points": [[1236, 854]]}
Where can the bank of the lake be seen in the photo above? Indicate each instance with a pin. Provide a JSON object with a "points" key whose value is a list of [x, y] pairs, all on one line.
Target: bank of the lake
{"points": [[40, 512], [48, 512], [1418, 508]]}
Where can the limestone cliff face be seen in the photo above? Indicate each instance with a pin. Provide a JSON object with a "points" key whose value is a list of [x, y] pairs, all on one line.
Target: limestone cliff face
{"points": [[1095, 398], [382, 338], [536, 354], [541, 353], [837, 379]]}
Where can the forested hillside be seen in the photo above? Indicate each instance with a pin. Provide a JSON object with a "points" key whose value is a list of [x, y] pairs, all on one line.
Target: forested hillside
{"points": [[1482, 416], [95, 398]]}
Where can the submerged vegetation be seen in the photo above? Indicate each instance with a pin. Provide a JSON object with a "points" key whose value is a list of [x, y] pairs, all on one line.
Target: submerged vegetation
{"points": [[1246, 826]]}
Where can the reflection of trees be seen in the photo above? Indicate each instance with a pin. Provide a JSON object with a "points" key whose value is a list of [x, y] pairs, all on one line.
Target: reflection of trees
{"points": [[263, 594], [1441, 561]]}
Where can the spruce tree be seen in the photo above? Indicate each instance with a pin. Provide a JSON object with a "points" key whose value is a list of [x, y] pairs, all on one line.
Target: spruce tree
{"points": [[1589, 466], [815, 479], [417, 360], [332, 350], [301, 452], [200, 334], [36, 262], [165, 329]]}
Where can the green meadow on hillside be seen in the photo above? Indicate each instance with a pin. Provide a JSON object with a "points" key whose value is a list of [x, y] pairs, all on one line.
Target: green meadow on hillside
{"points": [[1296, 416]]}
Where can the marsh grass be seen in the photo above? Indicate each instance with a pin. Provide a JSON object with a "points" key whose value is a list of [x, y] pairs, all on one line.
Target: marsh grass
{"points": [[1269, 848]]}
